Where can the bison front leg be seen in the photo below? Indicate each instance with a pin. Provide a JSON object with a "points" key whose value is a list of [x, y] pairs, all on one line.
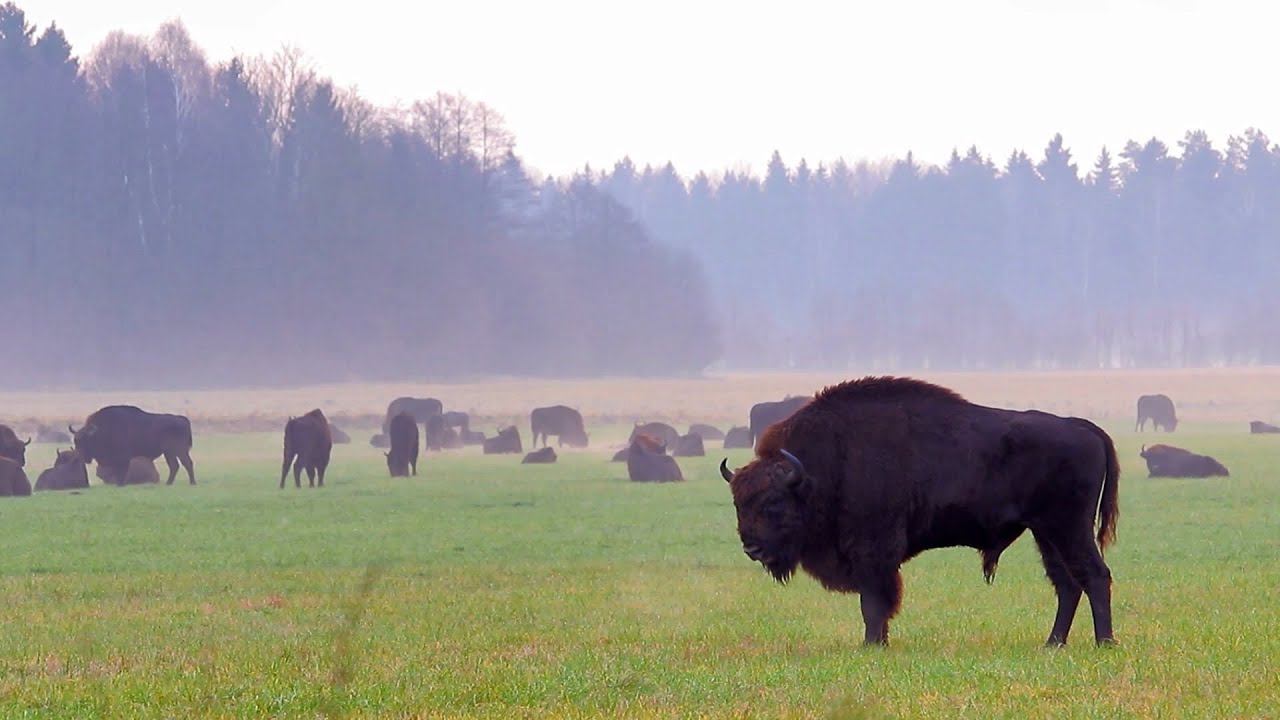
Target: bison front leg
{"points": [[1067, 589], [284, 469], [880, 600]]}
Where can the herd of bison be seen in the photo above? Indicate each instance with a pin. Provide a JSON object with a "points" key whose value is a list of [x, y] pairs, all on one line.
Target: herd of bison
{"points": [[847, 484]]}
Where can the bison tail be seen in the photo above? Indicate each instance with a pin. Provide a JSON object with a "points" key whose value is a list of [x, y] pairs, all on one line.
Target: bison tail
{"points": [[1109, 506]]}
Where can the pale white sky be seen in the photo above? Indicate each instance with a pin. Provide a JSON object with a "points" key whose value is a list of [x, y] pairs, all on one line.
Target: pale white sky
{"points": [[711, 85]]}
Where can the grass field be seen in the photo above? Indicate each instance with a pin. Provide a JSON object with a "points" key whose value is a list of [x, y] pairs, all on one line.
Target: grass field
{"points": [[486, 589]]}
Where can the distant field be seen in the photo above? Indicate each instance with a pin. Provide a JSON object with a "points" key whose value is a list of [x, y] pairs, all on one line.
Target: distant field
{"points": [[486, 589]]}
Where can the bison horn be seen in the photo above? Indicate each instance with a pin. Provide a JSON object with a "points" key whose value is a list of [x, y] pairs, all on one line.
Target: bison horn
{"points": [[71, 430], [795, 461], [724, 470], [28, 442]]}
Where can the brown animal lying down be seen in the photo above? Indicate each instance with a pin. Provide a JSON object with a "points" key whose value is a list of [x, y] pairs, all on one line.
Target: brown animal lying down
{"points": [[1169, 461], [1257, 427], [545, 455], [13, 481], [68, 473], [648, 461]]}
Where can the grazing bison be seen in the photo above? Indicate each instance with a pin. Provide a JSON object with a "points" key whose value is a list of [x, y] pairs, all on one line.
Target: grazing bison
{"points": [[1159, 410], [11, 447], [507, 441], [706, 432], [560, 420], [457, 419], [1257, 427], [1169, 461], [666, 435], [404, 446], [13, 481], [48, 435], [68, 473], [738, 438], [545, 455], [768, 413], [418, 408], [339, 436], [116, 434], [380, 441], [647, 461], [689, 446], [875, 471], [308, 443]]}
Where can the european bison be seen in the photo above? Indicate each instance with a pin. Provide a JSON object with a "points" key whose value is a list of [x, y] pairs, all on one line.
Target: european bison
{"points": [[738, 438], [404, 446], [141, 471], [11, 447], [647, 461], [621, 455], [560, 420], [48, 435], [666, 435], [116, 434], [706, 432], [507, 441], [339, 436], [440, 436], [308, 443], [472, 437], [380, 441], [68, 473], [689, 446], [418, 408], [1257, 427], [1169, 461], [1159, 410], [13, 481], [768, 413], [545, 455], [457, 419], [875, 471]]}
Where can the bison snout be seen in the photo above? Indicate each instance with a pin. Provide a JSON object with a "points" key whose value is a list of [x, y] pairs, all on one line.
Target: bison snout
{"points": [[754, 552]]}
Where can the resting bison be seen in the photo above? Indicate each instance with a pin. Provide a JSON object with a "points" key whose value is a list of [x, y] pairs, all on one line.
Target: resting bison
{"points": [[1258, 427], [115, 435], [666, 435], [560, 420], [689, 446], [545, 455], [1169, 461], [621, 455], [308, 442], [339, 436], [738, 438], [706, 432], [767, 413], [878, 470], [13, 481], [507, 441], [647, 461], [380, 441], [45, 434], [472, 437], [1159, 410], [142, 471], [404, 446], [68, 473], [11, 447], [418, 408]]}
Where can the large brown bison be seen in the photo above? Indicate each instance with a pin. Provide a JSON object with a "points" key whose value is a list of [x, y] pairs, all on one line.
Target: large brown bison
{"points": [[1159, 410], [116, 434], [418, 408], [768, 413], [11, 447], [1169, 461], [706, 432], [689, 446], [13, 481], [403, 454], [560, 420], [308, 443], [666, 435], [648, 461], [68, 473], [540, 457], [738, 438], [506, 442], [878, 470], [1257, 427]]}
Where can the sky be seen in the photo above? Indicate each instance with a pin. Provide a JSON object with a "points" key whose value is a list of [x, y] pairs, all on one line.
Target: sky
{"points": [[713, 85]]}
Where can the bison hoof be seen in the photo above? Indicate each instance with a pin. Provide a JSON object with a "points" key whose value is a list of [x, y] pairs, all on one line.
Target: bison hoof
{"points": [[1054, 643], [1108, 642]]}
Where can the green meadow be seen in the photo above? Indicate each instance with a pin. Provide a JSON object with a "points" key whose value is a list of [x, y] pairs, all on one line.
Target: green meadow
{"points": [[483, 588]]}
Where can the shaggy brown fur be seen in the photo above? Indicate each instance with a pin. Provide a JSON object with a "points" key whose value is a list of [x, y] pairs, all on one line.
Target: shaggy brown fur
{"points": [[308, 444]]}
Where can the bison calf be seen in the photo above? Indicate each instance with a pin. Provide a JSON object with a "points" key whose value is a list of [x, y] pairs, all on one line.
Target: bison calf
{"points": [[543, 456], [68, 473]]}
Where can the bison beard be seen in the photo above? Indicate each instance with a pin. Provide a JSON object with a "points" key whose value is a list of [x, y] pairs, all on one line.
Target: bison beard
{"points": [[876, 471]]}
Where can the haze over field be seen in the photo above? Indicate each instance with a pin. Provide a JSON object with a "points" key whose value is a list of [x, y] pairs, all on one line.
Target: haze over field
{"points": [[186, 203]]}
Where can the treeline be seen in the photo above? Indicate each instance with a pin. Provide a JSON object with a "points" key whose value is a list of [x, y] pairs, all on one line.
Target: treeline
{"points": [[165, 220], [1154, 257]]}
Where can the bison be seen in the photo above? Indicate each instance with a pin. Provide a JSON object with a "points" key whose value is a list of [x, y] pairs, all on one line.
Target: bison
{"points": [[1159, 410], [339, 436], [1169, 461], [457, 419], [13, 481], [308, 443], [116, 434], [380, 441], [418, 408], [11, 447], [875, 471], [404, 446], [507, 441], [689, 446], [706, 432], [440, 436], [768, 413], [647, 461], [141, 471], [738, 438], [666, 435], [543, 456], [472, 437], [68, 473], [1257, 427], [560, 420]]}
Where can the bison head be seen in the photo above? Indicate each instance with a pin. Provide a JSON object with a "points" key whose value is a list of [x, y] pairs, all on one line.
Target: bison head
{"points": [[769, 495], [85, 441], [576, 438], [397, 464]]}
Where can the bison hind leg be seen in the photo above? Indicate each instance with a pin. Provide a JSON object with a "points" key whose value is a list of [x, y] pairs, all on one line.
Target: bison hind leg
{"points": [[991, 554]]}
